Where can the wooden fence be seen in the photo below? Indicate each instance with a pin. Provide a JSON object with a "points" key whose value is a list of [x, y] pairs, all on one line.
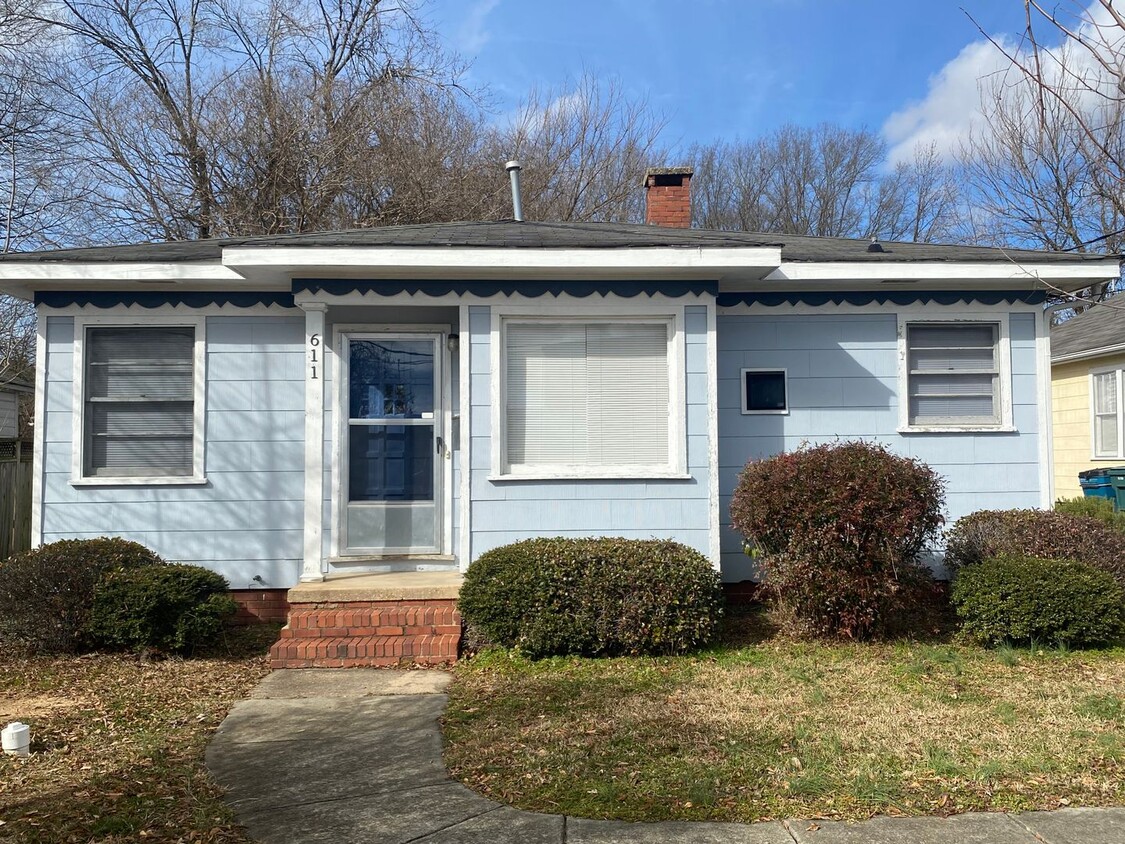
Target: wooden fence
{"points": [[15, 505]]}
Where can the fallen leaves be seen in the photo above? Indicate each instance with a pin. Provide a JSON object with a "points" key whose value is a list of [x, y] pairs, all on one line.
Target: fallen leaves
{"points": [[117, 748]]}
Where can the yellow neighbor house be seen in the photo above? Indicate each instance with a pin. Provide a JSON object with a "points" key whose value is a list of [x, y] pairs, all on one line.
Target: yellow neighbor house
{"points": [[1087, 361]]}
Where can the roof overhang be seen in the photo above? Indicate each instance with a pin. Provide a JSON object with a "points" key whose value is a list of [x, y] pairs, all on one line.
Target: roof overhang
{"points": [[23, 279], [979, 275], [1087, 354], [714, 263]]}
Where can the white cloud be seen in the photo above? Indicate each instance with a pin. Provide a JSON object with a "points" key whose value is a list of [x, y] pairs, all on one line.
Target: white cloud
{"points": [[473, 33], [951, 109]]}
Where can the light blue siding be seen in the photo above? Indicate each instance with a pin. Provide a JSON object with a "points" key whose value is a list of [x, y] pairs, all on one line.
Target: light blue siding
{"points": [[843, 383], [247, 520], [507, 511]]}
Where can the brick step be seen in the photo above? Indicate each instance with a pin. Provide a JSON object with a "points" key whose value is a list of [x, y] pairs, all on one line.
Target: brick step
{"points": [[364, 651], [369, 630], [372, 617]]}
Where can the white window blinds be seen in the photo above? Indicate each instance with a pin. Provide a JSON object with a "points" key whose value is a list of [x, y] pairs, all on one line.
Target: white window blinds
{"points": [[954, 374], [587, 394], [139, 414], [1107, 414]]}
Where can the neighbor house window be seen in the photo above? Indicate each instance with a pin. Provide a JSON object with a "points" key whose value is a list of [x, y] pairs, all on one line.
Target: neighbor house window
{"points": [[587, 397], [1106, 389], [764, 391], [953, 374], [139, 402]]}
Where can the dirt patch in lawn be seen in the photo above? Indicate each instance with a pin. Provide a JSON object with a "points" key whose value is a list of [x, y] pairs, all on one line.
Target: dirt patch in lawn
{"points": [[783, 729], [35, 706], [117, 745]]}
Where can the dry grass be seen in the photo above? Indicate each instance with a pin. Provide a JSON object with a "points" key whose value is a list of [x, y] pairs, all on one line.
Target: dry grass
{"points": [[784, 729], [117, 745]]}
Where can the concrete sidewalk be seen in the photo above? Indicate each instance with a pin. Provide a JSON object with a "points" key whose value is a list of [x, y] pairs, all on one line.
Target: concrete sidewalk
{"points": [[355, 756]]}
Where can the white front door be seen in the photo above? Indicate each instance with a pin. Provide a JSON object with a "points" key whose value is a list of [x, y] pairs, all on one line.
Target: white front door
{"points": [[392, 442]]}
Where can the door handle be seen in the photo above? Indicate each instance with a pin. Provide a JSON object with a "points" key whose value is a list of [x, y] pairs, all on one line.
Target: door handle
{"points": [[439, 445]]}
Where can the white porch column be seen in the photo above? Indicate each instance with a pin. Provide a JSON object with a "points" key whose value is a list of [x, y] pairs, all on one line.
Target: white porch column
{"points": [[311, 569]]}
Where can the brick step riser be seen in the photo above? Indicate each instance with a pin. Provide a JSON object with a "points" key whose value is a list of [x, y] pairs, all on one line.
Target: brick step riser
{"points": [[355, 619], [382, 650], [320, 633]]}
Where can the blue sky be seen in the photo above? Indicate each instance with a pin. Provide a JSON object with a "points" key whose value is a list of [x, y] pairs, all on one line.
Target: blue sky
{"points": [[727, 68]]}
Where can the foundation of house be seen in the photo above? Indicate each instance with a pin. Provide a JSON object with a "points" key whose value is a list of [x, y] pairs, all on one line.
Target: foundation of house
{"points": [[371, 620]]}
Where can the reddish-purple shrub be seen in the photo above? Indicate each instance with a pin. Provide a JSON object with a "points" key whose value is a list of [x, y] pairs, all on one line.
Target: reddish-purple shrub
{"points": [[1045, 534], [839, 529]]}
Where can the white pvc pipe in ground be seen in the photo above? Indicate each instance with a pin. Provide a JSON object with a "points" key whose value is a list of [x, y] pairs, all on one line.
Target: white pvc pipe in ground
{"points": [[16, 739]]}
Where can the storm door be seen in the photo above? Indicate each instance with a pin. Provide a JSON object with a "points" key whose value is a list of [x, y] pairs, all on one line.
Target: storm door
{"points": [[392, 438]]}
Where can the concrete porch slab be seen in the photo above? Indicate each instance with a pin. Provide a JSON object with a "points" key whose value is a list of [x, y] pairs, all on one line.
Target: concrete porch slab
{"points": [[380, 586]]}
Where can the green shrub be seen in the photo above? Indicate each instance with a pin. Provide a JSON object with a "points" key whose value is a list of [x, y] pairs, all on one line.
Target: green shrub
{"points": [[593, 597], [1046, 534], [839, 529], [1101, 509], [174, 608], [1027, 599], [46, 594]]}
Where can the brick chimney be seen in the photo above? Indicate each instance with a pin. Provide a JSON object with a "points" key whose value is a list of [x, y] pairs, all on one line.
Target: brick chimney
{"points": [[668, 197]]}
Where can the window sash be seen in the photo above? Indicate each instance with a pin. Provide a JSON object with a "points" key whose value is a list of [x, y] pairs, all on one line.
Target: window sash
{"points": [[586, 394], [953, 375], [139, 396], [1107, 407]]}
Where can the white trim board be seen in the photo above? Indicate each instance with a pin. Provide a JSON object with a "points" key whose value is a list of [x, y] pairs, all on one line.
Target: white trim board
{"points": [[658, 259], [1000, 269]]}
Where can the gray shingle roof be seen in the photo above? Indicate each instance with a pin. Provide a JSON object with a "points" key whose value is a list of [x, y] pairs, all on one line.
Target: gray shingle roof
{"points": [[524, 235], [1100, 326]]}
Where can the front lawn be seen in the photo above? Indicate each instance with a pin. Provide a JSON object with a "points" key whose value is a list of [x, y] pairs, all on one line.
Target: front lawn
{"points": [[764, 728], [117, 745]]}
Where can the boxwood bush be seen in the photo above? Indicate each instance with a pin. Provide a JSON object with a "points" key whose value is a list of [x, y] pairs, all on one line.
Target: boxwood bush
{"points": [[1045, 534], [838, 530], [173, 608], [1031, 600], [593, 597], [46, 594]]}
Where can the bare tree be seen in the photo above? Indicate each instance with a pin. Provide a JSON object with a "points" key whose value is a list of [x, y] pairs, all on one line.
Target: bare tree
{"points": [[826, 181], [1079, 84], [584, 147]]}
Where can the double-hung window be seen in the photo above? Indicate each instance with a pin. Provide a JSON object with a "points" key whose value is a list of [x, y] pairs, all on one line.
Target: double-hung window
{"points": [[588, 398], [139, 403], [954, 375], [1106, 402]]}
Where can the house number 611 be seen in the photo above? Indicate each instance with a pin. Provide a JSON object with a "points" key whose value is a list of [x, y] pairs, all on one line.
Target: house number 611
{"points": [[314, 342]]}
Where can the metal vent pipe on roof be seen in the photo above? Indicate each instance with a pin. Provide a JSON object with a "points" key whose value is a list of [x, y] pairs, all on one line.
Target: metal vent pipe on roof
{"points": [[513, 168]]}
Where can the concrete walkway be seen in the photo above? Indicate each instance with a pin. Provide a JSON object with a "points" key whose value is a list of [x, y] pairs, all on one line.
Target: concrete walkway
{"points": [[355, 756]]}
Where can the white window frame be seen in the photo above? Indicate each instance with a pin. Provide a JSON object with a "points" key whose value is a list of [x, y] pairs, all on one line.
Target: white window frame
{"points": [[199, 409], [1094, 456], [785, 384], [1004, 370], [676, 467]]}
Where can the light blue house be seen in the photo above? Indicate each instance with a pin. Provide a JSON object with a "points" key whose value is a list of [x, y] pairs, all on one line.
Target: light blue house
{"points": [[290, 408]]}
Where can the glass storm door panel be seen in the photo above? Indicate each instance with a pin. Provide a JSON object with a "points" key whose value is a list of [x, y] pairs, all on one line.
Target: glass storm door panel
{"points": [[393, 444]]}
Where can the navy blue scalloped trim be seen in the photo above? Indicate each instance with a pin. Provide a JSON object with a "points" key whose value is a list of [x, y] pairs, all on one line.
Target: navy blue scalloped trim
{"points": [[113, 299], [581, 289], [895, 297]]}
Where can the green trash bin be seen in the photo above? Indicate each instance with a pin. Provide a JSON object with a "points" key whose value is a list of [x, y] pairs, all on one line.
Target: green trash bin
{"points": [[1117, 481]]}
